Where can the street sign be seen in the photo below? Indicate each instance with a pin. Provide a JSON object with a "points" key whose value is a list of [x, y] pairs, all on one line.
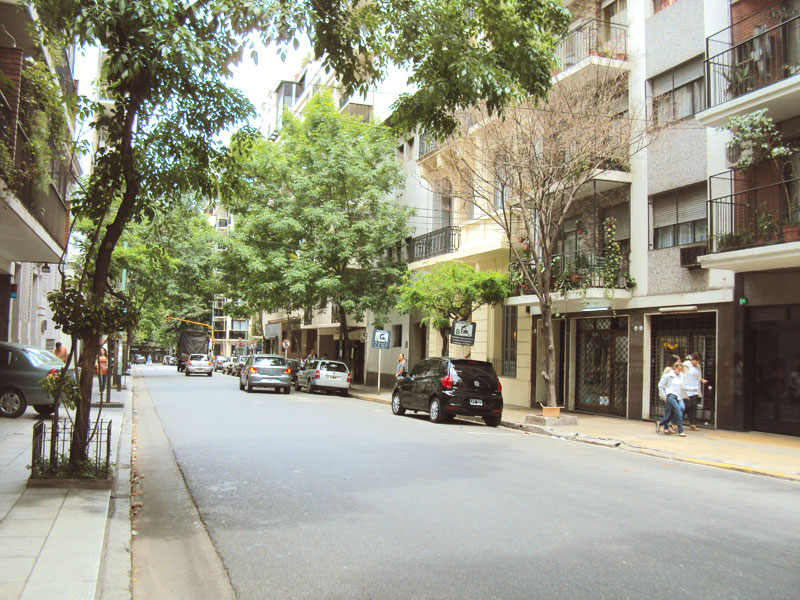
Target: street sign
{"points": [[463, 333], [381, 339], [286, 344]]}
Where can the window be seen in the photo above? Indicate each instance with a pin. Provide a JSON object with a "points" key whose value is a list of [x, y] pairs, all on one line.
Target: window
{"points": [[622, 215], [659, 5], [509, 367], [397, 336], [679, 93], [501, 185], [569, 236], [443, 204], [239, 325], [679, 217]]}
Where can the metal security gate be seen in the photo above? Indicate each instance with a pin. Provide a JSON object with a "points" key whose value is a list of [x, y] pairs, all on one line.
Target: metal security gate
{"points": [[683, 335], [602, 365]]}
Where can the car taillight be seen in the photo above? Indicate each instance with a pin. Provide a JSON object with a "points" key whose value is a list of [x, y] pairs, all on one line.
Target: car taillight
{"points": [[499, 387], [288, 371], [348, 377], [189, 363], [316, 375], [253, 370], [447, 382], [209, 362]]}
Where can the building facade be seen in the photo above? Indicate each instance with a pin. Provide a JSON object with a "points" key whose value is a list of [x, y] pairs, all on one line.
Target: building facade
{"points": [[34, 185]]}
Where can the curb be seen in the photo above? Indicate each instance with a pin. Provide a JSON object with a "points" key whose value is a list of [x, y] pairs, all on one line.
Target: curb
{"points": [[614, 443]]}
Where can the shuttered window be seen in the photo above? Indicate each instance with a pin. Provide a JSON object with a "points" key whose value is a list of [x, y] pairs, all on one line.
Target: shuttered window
{"points": [[622, 215], [679, 216], [678, 93], [509, 366]]}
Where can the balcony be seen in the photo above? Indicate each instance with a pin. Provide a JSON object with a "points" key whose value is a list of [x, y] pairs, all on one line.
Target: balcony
{"points": [[745, 72], [35, 228], [436, 243], [354, 109], [753, 228], [590, 47]]}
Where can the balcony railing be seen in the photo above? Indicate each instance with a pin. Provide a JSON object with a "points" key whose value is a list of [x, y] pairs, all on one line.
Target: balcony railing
{"points": [[759, 216], [593, 38], [584, 269], [435, 243], [739, 62], [46, 205]]}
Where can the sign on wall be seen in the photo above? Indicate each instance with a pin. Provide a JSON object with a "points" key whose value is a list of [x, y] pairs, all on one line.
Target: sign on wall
{"points": [[381, 339]]}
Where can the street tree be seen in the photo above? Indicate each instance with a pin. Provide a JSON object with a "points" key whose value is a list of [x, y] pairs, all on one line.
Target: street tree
{"points": [[527, 173], [450, 291], [164, 79], [324, 232]]}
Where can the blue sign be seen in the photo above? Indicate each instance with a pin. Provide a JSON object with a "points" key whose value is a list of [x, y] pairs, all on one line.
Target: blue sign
{"points": [[381, 339]]}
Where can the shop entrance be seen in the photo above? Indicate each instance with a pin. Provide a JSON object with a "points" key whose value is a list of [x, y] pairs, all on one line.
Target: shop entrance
{"points": [[775, 381], [602, 366]]}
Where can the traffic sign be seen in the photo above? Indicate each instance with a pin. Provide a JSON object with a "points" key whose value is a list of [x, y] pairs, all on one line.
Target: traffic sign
{"points": [[463, 333], [381, 339], [286, 344]]}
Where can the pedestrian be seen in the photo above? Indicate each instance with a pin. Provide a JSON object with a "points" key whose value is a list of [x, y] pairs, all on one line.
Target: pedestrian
{"points": [[61, 352], [149, 360], [694, 387], [401, 369], [670, 389], [101, 366]]}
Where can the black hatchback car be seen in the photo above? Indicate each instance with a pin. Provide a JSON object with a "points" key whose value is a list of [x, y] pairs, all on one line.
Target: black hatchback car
{"points": [[446, 387]]}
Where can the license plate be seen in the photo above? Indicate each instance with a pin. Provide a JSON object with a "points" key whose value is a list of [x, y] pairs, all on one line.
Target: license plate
{"points": [[334, 377], [476, 402]]}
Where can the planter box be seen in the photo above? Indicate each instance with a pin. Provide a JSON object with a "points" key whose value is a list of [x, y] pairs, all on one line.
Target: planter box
{"points": [[551, 411]]}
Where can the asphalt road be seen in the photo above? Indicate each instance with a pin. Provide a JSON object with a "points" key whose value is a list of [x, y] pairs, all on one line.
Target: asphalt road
{"points": [[326, 497]]}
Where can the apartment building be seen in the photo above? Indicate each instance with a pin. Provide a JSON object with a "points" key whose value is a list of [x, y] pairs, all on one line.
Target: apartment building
{"points": [[34, 207], [673, 203]]}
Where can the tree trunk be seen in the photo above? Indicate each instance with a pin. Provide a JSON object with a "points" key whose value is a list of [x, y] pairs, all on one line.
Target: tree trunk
{"points": [[549, 373], [80, 434], [343, 335], [444, 333]]}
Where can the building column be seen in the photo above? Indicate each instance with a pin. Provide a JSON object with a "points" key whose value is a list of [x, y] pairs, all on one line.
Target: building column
{"points": [[5, 308]]}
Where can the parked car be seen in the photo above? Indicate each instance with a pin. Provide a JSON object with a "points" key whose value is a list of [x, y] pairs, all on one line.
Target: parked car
{"points": [[237, 366], [446, 387], [139, 359], [265, 370], [219, 362], [199, 363], [294, 365], [324, 375], [21, 369], [227, 367], [168, 360]]}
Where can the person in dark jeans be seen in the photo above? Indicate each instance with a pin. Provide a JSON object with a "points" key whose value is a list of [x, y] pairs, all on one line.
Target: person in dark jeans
{"points": [[694, 387]]}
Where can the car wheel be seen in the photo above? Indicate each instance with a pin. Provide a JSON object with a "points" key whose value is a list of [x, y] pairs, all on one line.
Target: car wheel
{"points": [[186, 372], [309, 386], [12, 403], [492, 420], [396, 407], [249, 386], [344, 393], [210, 373], [241, 385], [435, 410], [43, 409], [287, 389], [297, 385]]}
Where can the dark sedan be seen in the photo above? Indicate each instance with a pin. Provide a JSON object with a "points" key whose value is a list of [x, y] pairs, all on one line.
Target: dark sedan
{"points": [[446, 387]]}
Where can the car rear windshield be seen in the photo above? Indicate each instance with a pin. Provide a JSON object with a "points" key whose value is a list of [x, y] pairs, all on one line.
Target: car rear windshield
{"points": [[42, 357], [197, 357], [336, 367], [474, 368], [269, 361]]}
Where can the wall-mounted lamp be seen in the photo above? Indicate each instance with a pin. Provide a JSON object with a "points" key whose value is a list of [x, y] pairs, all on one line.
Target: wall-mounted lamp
{"points": [[45, 268]]}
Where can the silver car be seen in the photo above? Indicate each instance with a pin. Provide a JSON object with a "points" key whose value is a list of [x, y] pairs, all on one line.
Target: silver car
{"points": [[199, 363], [327, 375], [21, 370], [266, 371]]}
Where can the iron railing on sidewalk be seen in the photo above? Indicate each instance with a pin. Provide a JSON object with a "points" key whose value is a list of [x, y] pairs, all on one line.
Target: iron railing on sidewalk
{"points": [[98, 448]]}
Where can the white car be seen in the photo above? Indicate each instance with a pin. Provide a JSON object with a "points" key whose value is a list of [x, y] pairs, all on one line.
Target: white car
{"points": [[324, 375], [199, 363]]}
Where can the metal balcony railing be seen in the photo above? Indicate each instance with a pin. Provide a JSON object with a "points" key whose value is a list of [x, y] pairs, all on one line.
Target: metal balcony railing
{"points": [[756, 216], [593, 38], [739, 61], [583, 269], [435, 243]]}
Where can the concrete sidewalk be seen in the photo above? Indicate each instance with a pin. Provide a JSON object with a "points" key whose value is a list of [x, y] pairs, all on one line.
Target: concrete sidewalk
{"points": [[58, 542], [752, 452]]}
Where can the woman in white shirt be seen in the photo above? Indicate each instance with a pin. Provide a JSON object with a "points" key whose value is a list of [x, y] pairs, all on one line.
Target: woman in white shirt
{"points": [[694, 387], [671, 388]]}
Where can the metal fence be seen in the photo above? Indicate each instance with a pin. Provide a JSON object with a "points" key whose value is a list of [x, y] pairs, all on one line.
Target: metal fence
{"points": [[98, 448], [739, 62], [593, 38], [435, 243]]}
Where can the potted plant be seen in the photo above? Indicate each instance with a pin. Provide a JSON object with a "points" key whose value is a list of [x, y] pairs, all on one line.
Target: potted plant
{"points": [[766, 227], [759, 142]]}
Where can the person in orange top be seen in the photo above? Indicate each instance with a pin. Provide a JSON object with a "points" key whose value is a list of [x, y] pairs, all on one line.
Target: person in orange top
{"points": [[102, 368], [60, 351]]}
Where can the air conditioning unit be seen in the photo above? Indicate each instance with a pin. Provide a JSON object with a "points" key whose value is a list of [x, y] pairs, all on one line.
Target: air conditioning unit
{"points": [[690, 254], [733, 154]]}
